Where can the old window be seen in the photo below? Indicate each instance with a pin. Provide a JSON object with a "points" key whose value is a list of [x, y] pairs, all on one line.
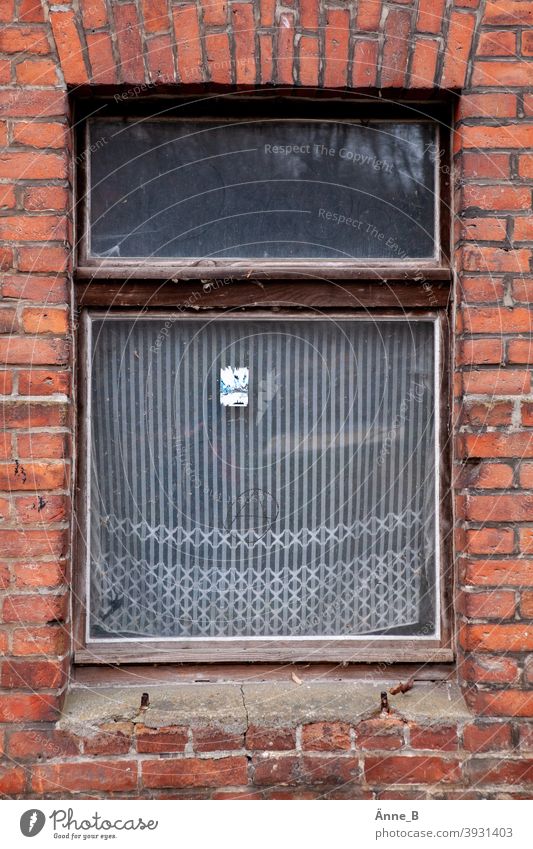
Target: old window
{"points": [[262, 473]]}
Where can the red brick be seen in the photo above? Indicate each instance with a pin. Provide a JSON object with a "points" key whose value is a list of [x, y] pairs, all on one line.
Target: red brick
{"points": [[129, 42], [496, 573], [481, 289], [490, 669], [493, 637], [497, 382], [270, 739], [490, 414], [497, 197], [215, 12], [497, 604], [484, 229], [458, 43], [8, 321], [498, 771], [242, 16], [100, 50], [523, 230], [337, 35], [526, 737], [24, 39], [34, 608], [379, 734], [29, 745], [69, 46], [99, 776], [52, 446], [187, 32], [526, 604], [368, 15], [511, 136], [49, 574], [520, 351], [286, 50], [442, 737], [155, 15], [51, 290], [504, 73], [484, 258], [309, 60], [43, 382], [32, 166], [32, 543], [429, 17], [275, 770], [266, 54], [526, 475], [485, 165], [12, 780], [32, 228], [500, 508], [161, 740], [525, 164], [424, 63], [94, 13], [389, 769], [317, 769], [43, 259], [309, 13], [497, 43], [160, 58], [22, 414], [39, 72], [365, 63], [213, 739], [507, 12], [486, 476], [15, 708], [526, 412], [33, 674], [51, 639], [487, 738], [498, 320], [113, 738], [397, 35], [326, 736], [45, 320], [502, 702], [195, 772], [39, 198], [30, 11]]}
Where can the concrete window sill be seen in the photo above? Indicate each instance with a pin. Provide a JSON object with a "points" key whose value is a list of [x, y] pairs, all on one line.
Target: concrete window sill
{"points": [[238, 706]]}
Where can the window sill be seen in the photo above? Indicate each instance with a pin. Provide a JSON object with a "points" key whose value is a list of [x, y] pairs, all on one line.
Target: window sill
{"points": [[236, 706]]}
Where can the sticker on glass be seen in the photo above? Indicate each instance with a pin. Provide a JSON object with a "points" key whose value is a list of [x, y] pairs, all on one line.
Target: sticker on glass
{"points": [[234, 386]]}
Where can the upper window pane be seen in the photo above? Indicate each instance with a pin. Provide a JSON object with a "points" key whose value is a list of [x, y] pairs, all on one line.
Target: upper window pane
{"points": [[264, 189]]}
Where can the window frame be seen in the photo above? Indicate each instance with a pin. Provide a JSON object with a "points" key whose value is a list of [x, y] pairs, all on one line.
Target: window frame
{"points": [[214, 107], [253, 648], [334, 288]]}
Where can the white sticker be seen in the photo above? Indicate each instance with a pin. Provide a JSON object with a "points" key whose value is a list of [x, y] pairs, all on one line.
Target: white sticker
{"points": [[234, 386]]}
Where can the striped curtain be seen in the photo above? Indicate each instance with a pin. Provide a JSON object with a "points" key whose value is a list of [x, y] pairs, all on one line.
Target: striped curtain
{"points": [[309, 512]]}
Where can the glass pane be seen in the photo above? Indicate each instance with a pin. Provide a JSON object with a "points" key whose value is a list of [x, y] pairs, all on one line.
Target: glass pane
{"points": [[258, 478], [265, 189]]}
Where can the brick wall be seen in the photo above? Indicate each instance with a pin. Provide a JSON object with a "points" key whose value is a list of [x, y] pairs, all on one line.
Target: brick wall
{"points": [[483, 48]]}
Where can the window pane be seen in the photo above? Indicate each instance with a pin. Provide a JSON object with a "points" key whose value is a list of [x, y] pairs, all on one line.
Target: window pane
{"points": [[305, 509], [265, 189]]}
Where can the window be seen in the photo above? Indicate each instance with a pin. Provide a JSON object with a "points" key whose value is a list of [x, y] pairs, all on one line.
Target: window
{"points": [[262, 464]]}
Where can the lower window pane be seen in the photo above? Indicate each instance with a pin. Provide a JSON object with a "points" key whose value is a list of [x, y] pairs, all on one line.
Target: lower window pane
{"points": [[261, 478]]}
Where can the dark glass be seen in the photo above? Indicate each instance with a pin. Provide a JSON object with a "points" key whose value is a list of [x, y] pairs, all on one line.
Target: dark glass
{"points": [[263, 188], [308, 511]]}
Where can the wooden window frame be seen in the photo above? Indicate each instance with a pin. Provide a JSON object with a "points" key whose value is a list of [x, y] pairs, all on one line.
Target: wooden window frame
{"points": [[409, 291]]}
